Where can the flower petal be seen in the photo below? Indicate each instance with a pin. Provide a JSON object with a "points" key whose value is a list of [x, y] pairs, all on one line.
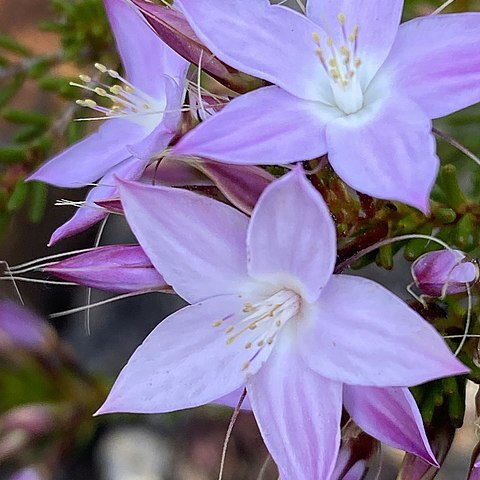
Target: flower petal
{"points": [[377, 22], [298, 413], [89, 214], [268, 41], [91, 158], [400, 164], [185, 362], [232, 399], [147, 60], [436, 62], [391, 415], [362, 334], [197, 244], [281, 241], [264, 127]]}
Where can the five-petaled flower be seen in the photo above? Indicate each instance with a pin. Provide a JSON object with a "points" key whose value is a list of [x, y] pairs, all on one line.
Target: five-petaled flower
{"points": [[268, 314], [348, 80], [142, 120]]}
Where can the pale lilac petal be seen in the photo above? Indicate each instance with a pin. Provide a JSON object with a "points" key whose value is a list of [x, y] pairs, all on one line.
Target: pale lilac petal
{"points": [[391, 415], [90, 214], [242, 185], [377, 22], [175, 173], [113, 268], [264, 127], [196, 243], [436, 62], [398, 164], [147, 60], [362, 334], [298, 413], [26, 474], [91, 158], [231, 400], [186, 361], [292, 234], [270, 42]]}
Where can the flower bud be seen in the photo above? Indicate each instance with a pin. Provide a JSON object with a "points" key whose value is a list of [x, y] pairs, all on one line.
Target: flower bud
{"points": [[356, 452], [20, 328], [444, 272], [114, 268]]}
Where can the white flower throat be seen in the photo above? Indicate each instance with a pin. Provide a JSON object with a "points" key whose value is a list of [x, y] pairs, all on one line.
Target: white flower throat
{"points": [[341, 64], [127, 100], [264, 321]]}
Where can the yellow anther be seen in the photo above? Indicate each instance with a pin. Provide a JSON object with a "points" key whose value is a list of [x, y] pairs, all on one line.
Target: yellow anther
{"points": [[333, 63], [230, 340], [116, 89], [245, 366], [128, 88], [252, 326], [261, 343], [100, 67], [270, 340], [344, 51], [85, 78], [278, 323], [353, 36], [341, 18], [248, 307], [218, 323], [316, 37], [113, 73], [146, 106], [358, 62], [330, 41], [101, 91], [248, 345], [116, 109], [90, 103], [230, 329]]}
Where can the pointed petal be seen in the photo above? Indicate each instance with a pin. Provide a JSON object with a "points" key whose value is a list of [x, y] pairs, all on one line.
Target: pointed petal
{"points": [[436, 62], [186, 362], [91, 158], [392, 416], [282, 242], [114, 268], [196, 243], [90, 214], [268, 41], [298, 413], [147, 60], [231, 400], [400, 164], [362, 334], [241, 184], [264, 127], [377, 22]]}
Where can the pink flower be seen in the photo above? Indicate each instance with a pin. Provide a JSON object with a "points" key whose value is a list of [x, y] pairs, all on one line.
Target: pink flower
{"points": [[143, 118], [347, 80], [268, 314]]}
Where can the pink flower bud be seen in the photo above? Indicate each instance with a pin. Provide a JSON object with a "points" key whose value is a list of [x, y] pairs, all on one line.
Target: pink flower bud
{"points": [[115, 268], [444, 272], [21, 328]]}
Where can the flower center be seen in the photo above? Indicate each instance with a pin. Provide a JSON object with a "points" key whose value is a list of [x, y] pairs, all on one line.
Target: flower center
{"points": [[265, 319], [127, 101], [341, 64]]}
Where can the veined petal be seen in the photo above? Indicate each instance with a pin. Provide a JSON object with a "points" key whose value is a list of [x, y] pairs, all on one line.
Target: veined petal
{"points": [[436, 62], [298, 413], [197, 244], [398, 164], [147, 60], [186, 361], [231, 400], [377, 22], [362, 334], [91, 158], [264, 127], [89, 214], [268, 41], [292, 234], [391, 415]]}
